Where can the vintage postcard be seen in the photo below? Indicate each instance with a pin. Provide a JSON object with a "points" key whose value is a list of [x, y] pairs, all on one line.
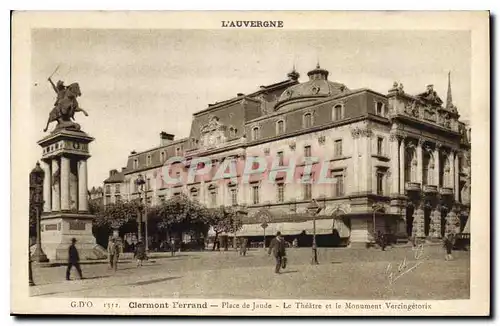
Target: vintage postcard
{"points": [[250, 163]]}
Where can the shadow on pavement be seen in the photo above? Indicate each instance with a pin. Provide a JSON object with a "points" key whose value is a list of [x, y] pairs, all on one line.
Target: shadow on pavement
{"points": [[287, 272], [158, 280]]}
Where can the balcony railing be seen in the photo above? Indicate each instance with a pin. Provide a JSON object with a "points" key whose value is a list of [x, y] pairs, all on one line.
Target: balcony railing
{"points": [[430, 189], [412, 186], [446, 191]]}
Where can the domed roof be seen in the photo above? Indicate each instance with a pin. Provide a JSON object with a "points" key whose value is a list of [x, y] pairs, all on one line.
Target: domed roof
{"points": [[318, 85]]}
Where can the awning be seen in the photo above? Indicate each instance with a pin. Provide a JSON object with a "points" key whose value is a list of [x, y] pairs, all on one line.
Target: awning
{"points": [[250, 230]]}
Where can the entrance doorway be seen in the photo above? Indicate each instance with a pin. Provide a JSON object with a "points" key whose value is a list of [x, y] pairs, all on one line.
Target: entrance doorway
{"points": [[409, 220]]}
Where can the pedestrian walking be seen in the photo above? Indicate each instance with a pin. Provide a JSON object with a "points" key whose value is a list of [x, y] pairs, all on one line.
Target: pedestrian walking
{"points": [[277, 248], [140, 253], [381, 240], [113, 254], [73, 260], [448, 245], [172, 247], [243, 246]]}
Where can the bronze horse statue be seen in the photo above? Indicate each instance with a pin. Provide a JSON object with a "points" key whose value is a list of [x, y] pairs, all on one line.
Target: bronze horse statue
{"points": [[66, 105]]}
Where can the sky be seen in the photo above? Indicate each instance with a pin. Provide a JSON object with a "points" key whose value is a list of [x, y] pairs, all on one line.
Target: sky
{"points": [[137, 83]]}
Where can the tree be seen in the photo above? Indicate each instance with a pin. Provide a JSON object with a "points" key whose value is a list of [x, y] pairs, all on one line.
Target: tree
{"points": [[222, 220], [181, 214], [116, 214]]}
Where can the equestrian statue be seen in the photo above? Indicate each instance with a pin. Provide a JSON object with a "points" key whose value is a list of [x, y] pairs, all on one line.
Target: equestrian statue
{"points": [[65, 106]]}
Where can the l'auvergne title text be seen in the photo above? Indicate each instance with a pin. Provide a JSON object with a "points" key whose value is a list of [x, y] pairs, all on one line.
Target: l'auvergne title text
{"points": [[252, 23]]}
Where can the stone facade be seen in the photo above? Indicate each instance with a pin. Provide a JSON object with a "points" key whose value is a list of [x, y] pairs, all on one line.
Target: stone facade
{"points": [[400, 163]]}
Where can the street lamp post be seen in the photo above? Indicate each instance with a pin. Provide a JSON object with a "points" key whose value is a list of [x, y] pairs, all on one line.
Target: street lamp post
{"points": [[313, 208], [264, 225], [36, 188], [30, 271], [140, 182]]}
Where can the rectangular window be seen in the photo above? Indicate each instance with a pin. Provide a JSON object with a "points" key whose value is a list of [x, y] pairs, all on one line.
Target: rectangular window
{"points": [[337, 112], [162, 154], [338, 189], [380, 183], [281, 192], [380, 146], [307, 151], [178, 151], [148, 184], [117, 188], [162, 198], [118, 198], [380, 108], [280, 158], [136, 187], [177, 194], [234, 197], [338, 148], [108, 189], [213, 198], [136, 163], [148, 160], [255, 133], [307, 120], [307, 191], [280, 127], [148, 201], [255, 194]]}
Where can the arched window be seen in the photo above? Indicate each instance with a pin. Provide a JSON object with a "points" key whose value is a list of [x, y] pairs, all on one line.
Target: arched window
{"points": [[255, 133], [232, 132], [410, 164], [428, 169], [280, 127], [307, 120], [338, 112]]}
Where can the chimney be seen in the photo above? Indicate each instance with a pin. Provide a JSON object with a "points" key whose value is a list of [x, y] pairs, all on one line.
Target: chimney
{"points": [[165, 138], [240, 94], [113, 172], [123, 169], [133, 152]]}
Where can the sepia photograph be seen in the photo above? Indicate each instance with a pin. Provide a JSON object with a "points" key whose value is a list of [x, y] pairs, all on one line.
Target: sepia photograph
{"points": [[250, 164]]}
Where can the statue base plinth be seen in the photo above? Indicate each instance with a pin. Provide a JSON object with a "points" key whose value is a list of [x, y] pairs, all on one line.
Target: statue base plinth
{"points": [[59, 228]]}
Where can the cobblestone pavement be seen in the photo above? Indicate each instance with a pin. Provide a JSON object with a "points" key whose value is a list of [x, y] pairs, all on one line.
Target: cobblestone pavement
{"points": [[342, 274]]}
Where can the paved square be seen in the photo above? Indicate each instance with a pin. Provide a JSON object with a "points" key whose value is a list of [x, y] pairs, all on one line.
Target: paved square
{"points": [[342, 274]]}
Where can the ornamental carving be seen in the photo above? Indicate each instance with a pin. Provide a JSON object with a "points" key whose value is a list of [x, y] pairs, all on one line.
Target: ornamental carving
{"points": [[315, 89], [321, 140], [266, 151], [292, 146], [212, 134]]}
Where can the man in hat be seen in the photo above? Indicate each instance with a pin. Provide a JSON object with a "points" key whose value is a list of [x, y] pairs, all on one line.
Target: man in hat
{"points": [[73, 260], [277, 247]]}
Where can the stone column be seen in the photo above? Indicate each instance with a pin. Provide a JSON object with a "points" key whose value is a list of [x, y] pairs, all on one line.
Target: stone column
{"points": [[368, 160], [82, 186], [420, 163], [402, 167], [456, 176], [56, 195], [394, 164], [451, 177], [47, 185], [64, 183], [355, 158], [436, 222], [451, 222], [418, 221], [436, 164]]}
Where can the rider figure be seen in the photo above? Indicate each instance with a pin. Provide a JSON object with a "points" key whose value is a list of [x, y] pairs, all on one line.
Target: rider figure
{"points": [[60, 90]]}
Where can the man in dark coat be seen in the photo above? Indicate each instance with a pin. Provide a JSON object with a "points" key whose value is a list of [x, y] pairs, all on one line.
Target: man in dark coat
{"points": [[73, 260], [243, 246], [277, 248]]}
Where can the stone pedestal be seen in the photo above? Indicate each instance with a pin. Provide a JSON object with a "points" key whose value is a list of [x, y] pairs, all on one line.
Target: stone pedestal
{"points": [[418, 223], [66, 216], [436, 223], [59, 228]]}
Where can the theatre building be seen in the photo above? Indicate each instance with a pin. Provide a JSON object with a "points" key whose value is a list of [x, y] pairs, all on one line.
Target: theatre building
{"points": [[397, 163]]}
